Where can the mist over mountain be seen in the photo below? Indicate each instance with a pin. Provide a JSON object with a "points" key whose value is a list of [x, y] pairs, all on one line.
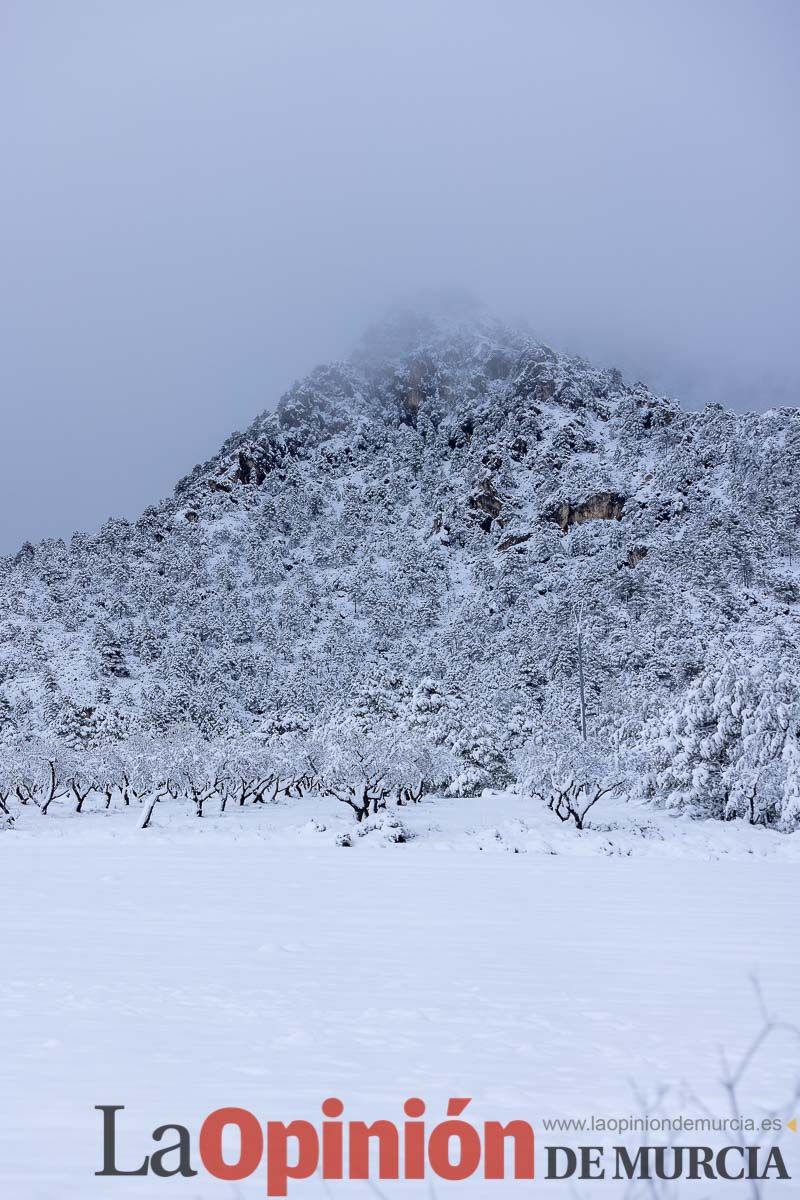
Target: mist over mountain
{"points": [[457, 534]]}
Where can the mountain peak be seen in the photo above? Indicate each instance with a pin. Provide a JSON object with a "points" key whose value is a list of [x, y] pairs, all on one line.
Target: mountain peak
{"points": [[432, 319]]}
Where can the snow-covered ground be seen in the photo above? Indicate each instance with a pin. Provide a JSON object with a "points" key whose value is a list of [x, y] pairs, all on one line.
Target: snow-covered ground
{"points": [[248, 959]]}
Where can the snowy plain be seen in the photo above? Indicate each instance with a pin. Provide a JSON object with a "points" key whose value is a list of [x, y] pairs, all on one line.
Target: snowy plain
{"points": [[249, 959]]}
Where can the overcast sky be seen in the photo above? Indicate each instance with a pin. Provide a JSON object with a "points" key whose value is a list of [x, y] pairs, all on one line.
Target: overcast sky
{"points": [[201, 199]]}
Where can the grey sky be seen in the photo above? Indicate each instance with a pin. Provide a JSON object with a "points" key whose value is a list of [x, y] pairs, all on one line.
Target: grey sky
{"points": [[202, 199]]}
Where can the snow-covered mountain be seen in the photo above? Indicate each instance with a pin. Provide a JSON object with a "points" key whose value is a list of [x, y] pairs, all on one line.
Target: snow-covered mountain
{"points": [[414, 541]]}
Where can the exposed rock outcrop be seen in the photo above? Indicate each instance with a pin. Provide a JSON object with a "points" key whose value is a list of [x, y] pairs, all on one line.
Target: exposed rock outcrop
{"points": [[487, 502], [602, 506], [513, 539], [635, 555]]}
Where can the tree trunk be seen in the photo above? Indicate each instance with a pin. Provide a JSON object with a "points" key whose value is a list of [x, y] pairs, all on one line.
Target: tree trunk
{"points": [[581, 683]]}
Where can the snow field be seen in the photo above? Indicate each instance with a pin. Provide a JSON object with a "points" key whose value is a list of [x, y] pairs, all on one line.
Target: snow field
{"points": [[176, 972]]}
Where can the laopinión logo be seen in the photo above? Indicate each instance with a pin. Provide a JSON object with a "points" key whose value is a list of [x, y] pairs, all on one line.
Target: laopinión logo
{"points": [[452, 1149]]}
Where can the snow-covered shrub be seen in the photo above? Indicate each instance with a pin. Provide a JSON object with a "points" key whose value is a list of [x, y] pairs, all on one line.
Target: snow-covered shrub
{"points": [[570, 774], [365, 768], [482, 759], [790, 761], [43, 770], [727, 747], [422, 765], [356, 767], [388, 826]]}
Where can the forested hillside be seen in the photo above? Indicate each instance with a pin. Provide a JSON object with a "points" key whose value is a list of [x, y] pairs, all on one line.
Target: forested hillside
{"points": [[458, 559]]}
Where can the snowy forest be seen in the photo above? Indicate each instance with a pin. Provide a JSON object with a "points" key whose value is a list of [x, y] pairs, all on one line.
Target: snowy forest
{"points": [[458, 560]]}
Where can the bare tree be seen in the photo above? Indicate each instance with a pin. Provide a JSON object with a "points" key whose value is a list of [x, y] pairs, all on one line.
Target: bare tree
{"points": [[51, 791]]}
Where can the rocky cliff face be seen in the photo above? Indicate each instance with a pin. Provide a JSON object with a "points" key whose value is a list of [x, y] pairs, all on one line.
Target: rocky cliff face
{"points": [[602, 506], [407, 537]]}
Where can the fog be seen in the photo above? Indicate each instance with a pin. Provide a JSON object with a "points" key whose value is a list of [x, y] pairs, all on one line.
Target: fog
{"points": [[201, 200]]}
